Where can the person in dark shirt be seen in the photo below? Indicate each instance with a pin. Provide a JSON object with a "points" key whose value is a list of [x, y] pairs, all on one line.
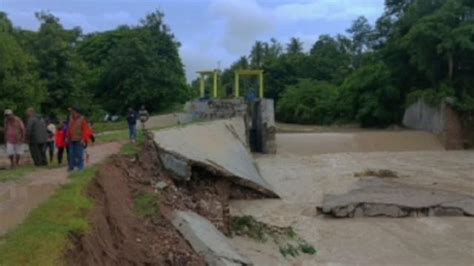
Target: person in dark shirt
{"points": [[132, 118], [36, 136]]}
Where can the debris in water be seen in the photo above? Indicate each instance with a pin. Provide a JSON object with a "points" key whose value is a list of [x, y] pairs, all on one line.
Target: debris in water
{"points": [[289, 243], [382, 173]]}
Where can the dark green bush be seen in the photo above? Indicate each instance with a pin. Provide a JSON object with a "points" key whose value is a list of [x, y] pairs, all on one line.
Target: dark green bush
{"points": [[308, 102]]}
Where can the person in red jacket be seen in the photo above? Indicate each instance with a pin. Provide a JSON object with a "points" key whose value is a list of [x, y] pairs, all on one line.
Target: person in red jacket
{"points": [[88, 139], [60, 139], [77, 138]]}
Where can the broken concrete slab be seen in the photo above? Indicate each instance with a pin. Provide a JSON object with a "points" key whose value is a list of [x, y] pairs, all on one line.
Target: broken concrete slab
{"points": [[218, 146], [206, 240], [375, 198]]}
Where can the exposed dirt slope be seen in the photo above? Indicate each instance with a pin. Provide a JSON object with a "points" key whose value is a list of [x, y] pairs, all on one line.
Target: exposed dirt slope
{"points": [[120, 236]]}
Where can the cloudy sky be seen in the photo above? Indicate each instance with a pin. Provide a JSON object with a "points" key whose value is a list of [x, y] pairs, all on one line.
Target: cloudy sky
{"points": [[210, 31]]}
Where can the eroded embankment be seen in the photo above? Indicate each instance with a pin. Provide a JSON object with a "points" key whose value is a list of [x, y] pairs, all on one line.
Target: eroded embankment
{"points": [[134, 203]]}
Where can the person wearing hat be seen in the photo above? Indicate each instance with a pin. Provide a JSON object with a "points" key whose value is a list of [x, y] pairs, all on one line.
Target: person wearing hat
{"points": [[36, 136], [14, 137], [77, 137]]}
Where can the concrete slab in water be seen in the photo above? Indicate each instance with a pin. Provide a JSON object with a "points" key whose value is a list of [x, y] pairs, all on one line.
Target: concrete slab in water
{"points": [[206, 240], [219, 146], [380, 198]]}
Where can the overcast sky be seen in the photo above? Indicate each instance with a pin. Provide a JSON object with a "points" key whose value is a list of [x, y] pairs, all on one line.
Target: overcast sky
{"points": [[210, 31]]}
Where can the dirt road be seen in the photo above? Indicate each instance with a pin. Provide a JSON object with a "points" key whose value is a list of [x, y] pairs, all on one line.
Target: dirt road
{"points": [[301, 175], [18, 199]]}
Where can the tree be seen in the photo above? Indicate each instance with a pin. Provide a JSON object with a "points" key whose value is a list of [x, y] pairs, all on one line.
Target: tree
{"points": [[329, 59], [294, 47], [308, 102], [59, 66], [361, 34], [131, 66], [20, 86], [145, 68], [368, 97], [257, 54]]}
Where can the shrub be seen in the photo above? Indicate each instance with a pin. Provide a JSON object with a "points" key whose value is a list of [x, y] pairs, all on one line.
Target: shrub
{"points": [[308, 102]]}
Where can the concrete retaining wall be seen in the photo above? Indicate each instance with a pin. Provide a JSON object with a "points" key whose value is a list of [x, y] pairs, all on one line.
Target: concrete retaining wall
{"points": [[259, 118], [455, 130], [216, 109], [421, 116]]}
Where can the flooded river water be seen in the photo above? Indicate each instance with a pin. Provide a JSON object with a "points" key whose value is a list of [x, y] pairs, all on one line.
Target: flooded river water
{"points": [[310, 165]]}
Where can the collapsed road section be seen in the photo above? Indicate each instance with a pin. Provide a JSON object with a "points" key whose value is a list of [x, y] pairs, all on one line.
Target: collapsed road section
{"points": [[391, 199], [169, 205], [219, 146]]}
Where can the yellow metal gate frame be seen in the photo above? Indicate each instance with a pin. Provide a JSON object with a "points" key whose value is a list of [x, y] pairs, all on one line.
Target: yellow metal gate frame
{"points": [[202, 81], [247, 72]]}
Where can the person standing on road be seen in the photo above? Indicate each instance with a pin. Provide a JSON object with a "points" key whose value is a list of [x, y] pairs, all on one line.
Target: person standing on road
{"points": [[14, 137], [132, 118], [60, 139], [36, 136], [144, 116], [51, 136], [77, 131]]}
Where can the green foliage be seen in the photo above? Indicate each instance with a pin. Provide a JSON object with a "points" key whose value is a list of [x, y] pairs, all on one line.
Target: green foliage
{"points": [[294, 250], [55, 68], [136, 66], [113, 136], [414, 44], [290, 244], [368, 97], [58, 65], [110, 126], [20, 86], [248, 226], [466, 104], [308, 102], [45, 235], [15, 174], [330, 59], [132, 149], [147, 205], [431, 97]]}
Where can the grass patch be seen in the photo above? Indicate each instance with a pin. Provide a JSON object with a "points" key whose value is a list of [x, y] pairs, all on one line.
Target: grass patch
{"points": [[19, 172], [382, 173], [248, 226], [290, 243], [15, 174], [101, 127], [131, 149], [112, 136], [45, 235], [146, 205]]}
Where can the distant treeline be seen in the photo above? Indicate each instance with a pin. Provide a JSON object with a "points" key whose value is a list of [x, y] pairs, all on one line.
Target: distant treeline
{"points": [[54, 68], [417, 48]]}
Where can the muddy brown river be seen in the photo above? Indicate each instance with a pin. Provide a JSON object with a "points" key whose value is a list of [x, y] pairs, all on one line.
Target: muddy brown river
{"points": [[311, 164]]}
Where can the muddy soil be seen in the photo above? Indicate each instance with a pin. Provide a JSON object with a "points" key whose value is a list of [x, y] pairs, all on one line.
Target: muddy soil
{"points": [[120, 236]]}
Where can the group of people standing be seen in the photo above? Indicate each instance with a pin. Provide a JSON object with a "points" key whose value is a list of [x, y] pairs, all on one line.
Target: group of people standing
{"points": [[42, 137]]}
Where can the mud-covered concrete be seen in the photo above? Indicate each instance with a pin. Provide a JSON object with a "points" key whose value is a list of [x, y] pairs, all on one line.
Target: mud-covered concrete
{"points": [[206, 240], [390, 199], [218, 146]]}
